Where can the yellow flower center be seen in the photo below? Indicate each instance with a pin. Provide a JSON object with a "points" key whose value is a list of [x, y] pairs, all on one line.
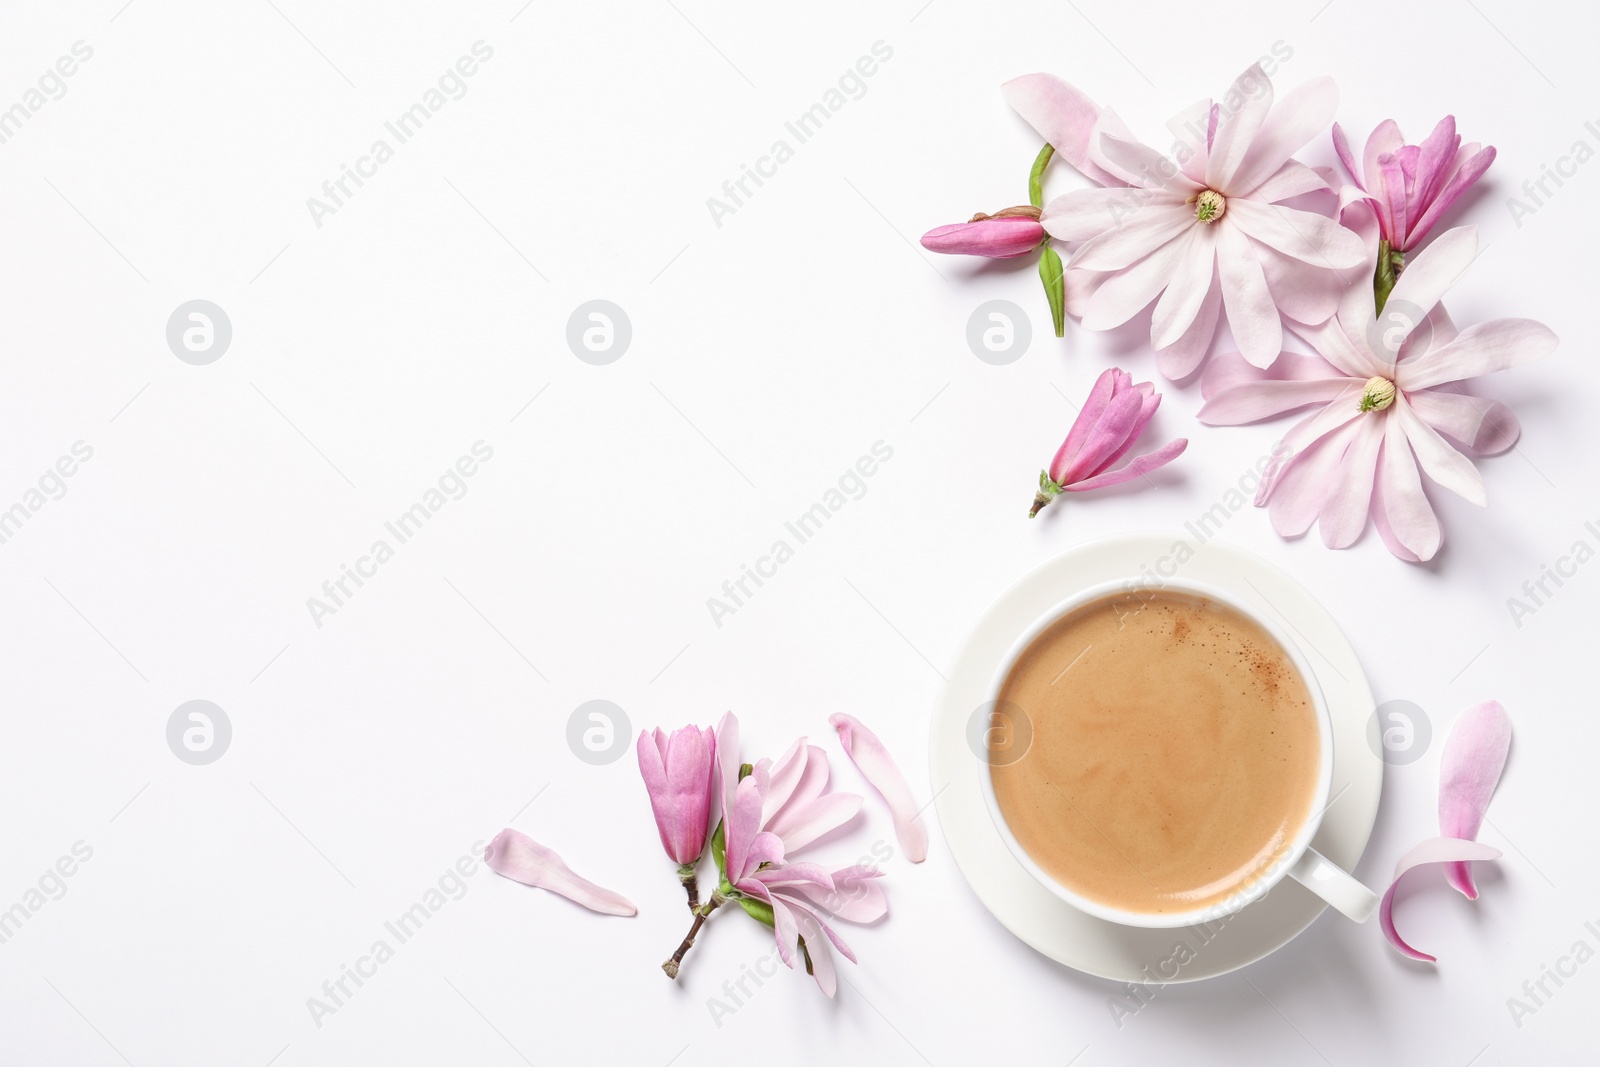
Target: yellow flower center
{"points": [[1378, 394], [1209, 206]]}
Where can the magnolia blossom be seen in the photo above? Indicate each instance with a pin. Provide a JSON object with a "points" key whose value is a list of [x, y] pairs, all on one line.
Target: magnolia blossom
{"points": [[1207, 229], [774, 812], [1412, 186], [680, 773], [1106, 428], [1388, 405], [1004, 235]]}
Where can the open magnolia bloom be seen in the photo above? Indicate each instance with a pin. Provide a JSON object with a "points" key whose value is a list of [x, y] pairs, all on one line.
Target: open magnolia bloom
{"points": [[1205, 229], [776, 810], [1389, 404]]}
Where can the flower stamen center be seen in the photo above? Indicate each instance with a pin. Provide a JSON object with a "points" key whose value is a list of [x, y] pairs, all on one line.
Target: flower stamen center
{"points": [[1378, 394], [1209, 205]]}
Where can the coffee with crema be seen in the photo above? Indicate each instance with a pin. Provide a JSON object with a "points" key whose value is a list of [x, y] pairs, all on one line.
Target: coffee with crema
{"points": [[1163, 751]]}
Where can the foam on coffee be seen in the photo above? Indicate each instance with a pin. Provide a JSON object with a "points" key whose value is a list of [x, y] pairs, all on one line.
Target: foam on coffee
{"points": [[1174, 752]]}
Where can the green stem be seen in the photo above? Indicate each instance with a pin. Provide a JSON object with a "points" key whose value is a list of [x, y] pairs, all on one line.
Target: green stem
{"points": [[1036, 176]]}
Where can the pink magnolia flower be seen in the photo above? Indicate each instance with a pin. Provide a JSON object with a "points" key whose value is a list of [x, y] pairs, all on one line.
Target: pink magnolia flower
{"points": [[681, 774], [1107, 426], [776, 810], [1388, 405], [1412, 186], [1206, 230], [1004, 235]]}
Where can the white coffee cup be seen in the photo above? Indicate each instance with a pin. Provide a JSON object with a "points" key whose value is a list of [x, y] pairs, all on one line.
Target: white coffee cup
{"points": [[1298, 861]]}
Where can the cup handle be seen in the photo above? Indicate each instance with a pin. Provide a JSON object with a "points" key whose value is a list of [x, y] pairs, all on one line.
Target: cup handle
{"points": [[1335, 885]]}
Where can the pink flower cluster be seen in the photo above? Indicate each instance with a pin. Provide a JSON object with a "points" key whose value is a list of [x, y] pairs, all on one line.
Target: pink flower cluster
{"points": [[771, 811], [1229, 226]]}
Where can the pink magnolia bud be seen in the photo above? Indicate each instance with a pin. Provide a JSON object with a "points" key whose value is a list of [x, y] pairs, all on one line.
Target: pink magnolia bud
{"points": [[1013, 232], [679, 773]]}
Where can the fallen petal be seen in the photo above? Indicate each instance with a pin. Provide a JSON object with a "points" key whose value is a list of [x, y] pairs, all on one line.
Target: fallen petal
{"points": [[522, 859], [1433, 850], [1473, 758], [872, 759]]}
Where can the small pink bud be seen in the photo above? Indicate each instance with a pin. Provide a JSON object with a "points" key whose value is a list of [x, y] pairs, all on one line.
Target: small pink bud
{"points": [[1013, 232]]}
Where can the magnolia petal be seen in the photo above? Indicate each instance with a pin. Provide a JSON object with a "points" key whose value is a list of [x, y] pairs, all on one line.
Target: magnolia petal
{"points": [[1230, 370], [785, 929], [1105, 387], [1333, 343], [799, 824], [1252, 316], [1191, 131], [1341, 146], [1305, 235], [1237, 129], [1186, 292], [1304, 292], [1143, 165], [1433, 850], [727, 761], [1459, 183], [877, 766], [1150, 401], [522, 859], [1302, 435], [1384, 139], [1484, 427], [1062, 115], [1473, 758], [1432, 271], [1265, 398], [1305, 480], [1299, 116], [1140, 233], [1081, 285], [1400, 509], [1181, 358], [1435, 156], [1139, 465], [741, 822], [822, 968], [783, 777], [1110, 433], [1344, 515], [1086, 213], [1481, 348], [1437, 459], [1292, 179], [856, 896], [792, 875], [1125, 293]]}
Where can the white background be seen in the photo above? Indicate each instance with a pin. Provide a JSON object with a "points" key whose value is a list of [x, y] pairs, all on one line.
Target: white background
{"points": [[768, 354]]}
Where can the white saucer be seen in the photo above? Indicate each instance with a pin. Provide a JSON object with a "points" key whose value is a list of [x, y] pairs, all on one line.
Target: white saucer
{"points": [[1038, 916]]}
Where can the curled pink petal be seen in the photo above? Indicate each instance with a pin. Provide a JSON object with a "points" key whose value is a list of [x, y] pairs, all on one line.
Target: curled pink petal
{"points": [[1473, 758], [1134, 468], [877, 766], [1433, 850], [522, 859]]}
